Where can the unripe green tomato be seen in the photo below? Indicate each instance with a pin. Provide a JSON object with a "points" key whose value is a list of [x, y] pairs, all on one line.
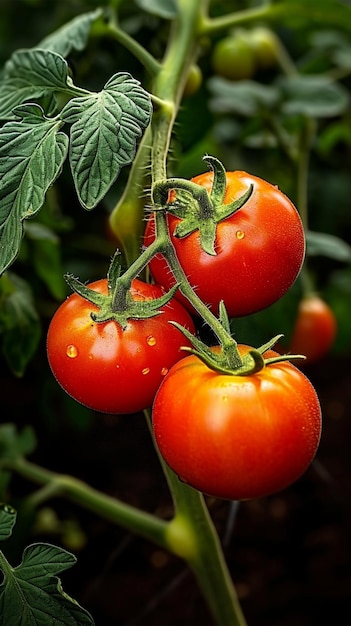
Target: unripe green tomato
{"points": [[193, 81], [233, 57], [265, 46]]}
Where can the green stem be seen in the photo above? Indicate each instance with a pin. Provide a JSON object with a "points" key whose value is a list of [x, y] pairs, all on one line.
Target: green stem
{"points": [[146, 59], [133, 519], [192, 535], [215, 25], [126, 218]]}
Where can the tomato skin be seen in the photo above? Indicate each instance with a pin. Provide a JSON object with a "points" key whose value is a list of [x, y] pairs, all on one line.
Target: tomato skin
{"points": [[193, 81], [237, 437], [266, 47], [234, 58], [260, 249], [109, 369], [315, 329]]}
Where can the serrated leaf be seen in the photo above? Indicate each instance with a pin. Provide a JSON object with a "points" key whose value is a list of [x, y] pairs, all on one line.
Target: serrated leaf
{"points": [[71, 36], [32, 152], [324, 244], [28, 75], [105, 129], [8, 517], [167, 9], [14, 444], [246, 97], [313, 95], [31, 594]]}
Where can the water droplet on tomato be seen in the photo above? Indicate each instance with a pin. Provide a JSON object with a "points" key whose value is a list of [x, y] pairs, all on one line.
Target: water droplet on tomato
{"points": [[151, 341], [145, 371], [72, 351], [240, 234], [164, 371]]}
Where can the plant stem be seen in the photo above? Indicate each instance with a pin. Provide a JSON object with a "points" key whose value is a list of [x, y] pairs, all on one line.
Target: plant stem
{"points": [[192, 535], [126, 218], [54, 484]]}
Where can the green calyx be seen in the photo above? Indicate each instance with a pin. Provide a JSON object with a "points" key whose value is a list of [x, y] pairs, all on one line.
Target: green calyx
{"points": [[198, 209], [118, 304], [227, 360]]}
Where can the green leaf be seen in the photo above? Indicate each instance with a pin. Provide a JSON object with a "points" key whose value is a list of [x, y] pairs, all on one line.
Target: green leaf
{"points": [[32, 152], [19, 323], [73, 35], [245, 97], [167, 9], [14, 444], [105, 129], [314, 95], [327, 245], [329, 13], [30, 74], [46, 257], [31, 593], [7, 521]]}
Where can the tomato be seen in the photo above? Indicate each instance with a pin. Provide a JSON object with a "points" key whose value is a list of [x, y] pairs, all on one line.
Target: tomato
{"points": [[315, 329], [234, 58], [193, 81], [109, 369], [266, 47], [237, 437], [259, 249]]}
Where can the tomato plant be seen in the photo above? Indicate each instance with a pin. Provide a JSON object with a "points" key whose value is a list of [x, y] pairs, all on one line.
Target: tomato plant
{"points": [[237, 437], [314, 330], [259, 249], [111, 369]]}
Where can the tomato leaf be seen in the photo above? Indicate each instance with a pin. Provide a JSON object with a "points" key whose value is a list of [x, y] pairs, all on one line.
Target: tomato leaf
{"points": [[314, 95], [105, 128], [32, 152], [167, 9], [246, 97], [30, 74], [46, 257], [8, 517], [73, 35], [14, 444], [31, 593], [19, 322], [327, 245]]}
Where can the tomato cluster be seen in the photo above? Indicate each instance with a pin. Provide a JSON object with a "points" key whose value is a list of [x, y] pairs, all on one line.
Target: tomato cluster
{"points": [[233, 432], [240, 55]]}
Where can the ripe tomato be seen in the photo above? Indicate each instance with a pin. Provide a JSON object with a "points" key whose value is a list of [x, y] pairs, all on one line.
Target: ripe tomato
{"points": [[237, 437], [109, 369], [234, 58], [260, 249], [315, 329]]}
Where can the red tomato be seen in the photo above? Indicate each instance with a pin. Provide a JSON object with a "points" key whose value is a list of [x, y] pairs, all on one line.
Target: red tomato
{"points": [[237, 437], [260, 249], [109, 369], [315, 329]]}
